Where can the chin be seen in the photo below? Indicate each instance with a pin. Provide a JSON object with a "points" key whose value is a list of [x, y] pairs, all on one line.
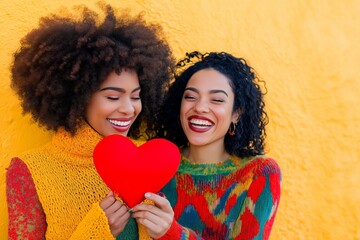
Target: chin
{"points": [[197, 143]]}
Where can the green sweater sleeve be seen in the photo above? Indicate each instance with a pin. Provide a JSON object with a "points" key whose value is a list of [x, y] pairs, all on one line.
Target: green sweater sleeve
{"points": [[260, 206]]}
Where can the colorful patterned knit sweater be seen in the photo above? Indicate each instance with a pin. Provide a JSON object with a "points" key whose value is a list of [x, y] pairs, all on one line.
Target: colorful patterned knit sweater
{"points": [[236, 199], [56, 193]]}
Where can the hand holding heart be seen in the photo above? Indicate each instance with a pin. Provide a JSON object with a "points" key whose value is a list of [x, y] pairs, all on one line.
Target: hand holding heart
{"points": [[131, 171]]}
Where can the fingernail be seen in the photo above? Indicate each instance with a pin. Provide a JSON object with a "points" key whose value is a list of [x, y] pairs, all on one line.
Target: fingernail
{"points": [[147, 195], [161, 194]]}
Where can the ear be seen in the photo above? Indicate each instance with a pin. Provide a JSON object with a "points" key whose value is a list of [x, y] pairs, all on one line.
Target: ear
{"points": [[236, 116]]}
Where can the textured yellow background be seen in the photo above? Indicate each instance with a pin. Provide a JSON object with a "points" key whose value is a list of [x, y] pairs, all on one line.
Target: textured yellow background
{"points": [[308, 53]]}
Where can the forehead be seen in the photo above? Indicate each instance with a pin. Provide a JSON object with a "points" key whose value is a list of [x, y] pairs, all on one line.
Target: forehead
{"points": [[209, 79], [126, 78]]}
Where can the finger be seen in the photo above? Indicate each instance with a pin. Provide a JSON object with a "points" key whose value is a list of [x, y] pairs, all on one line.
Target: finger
{"points": [[156, 210], [144, 207], [159, 201], [115, 207], [152, 213], [107, 201], [148, 215], [156, 226], [118, 217], [150, 225], [161, 194], [122, 211]]}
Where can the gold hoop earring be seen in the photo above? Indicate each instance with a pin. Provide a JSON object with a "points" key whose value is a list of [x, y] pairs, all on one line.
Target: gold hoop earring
{"points": [[232, 129]]}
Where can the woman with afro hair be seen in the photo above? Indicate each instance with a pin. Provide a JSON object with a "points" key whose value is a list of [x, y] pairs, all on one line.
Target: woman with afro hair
{"points": [[84, 79], [225, 188]]}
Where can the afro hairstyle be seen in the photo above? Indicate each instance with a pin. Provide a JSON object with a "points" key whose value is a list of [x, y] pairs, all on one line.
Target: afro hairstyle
{"points": [[63, 61]]}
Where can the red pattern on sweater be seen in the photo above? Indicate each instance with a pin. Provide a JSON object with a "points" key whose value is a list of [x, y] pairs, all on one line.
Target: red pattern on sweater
{"points": [[232, 201], [189, 187], [256, 188], [230, 204], [250, 220], [26, 216]]}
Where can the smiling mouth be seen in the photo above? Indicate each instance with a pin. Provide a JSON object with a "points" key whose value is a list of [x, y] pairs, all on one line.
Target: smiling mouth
{"points": [[200, 123], [119, 123]]}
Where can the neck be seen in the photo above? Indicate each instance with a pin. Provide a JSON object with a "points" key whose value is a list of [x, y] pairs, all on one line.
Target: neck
{"points": [[207, 153]]}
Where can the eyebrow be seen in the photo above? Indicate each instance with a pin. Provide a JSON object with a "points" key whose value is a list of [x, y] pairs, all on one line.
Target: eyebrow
{"points": [[119, 89], [211, 91]]}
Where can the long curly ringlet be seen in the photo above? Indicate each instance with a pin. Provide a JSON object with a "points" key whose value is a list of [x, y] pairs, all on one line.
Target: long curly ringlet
{"points": [[250, 130], [63, 61]]}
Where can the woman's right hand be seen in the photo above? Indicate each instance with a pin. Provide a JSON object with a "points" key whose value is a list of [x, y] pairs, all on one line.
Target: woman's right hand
{"points": [[157, 218], [116, 212]]}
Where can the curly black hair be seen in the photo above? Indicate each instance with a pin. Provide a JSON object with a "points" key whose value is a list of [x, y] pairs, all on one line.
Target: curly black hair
{"points": [[63, 62], [250, 129]]}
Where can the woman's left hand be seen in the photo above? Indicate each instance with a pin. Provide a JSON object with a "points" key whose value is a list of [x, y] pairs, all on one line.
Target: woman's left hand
{"points": [[156, 218]]}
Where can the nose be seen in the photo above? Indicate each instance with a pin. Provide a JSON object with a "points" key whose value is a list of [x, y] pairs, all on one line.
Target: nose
{"points": [[125, 107], [201, 106]]}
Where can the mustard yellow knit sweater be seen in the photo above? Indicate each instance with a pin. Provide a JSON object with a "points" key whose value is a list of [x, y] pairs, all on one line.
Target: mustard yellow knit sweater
{"points": [[69, 188]]}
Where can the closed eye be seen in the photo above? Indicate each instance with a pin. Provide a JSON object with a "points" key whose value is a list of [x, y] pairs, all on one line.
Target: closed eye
{"points": [[189, 98], [112, 98]]}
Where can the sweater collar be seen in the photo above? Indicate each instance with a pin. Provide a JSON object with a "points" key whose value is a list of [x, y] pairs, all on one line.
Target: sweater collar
{"points": [[81, 145], [233, 163]]}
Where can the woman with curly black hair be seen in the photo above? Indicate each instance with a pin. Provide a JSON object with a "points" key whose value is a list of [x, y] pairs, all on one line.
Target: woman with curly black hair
{"points": [[84, 79], [225, 188]]}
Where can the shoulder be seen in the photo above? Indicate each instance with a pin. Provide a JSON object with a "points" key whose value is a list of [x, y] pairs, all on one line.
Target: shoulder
{"points": [[17, 166], [264, 165], [22, 156], [22, 162], [17, 172], [29, 155], [267, 164]]}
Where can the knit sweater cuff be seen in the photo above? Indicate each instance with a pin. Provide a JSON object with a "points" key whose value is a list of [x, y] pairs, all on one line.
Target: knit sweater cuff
{"points": [[174, 232], [94, 225]]}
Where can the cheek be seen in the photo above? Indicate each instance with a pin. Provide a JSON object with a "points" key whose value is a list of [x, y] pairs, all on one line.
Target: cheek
{"points": [[90, 111], [184, 107], [99, 108], [224, 114]]}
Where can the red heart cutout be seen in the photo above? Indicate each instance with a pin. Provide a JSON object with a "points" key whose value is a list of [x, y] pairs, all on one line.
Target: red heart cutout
{"points": [[131, 171]]}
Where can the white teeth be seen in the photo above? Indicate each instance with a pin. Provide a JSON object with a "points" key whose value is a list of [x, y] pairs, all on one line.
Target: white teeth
{"points": [[200, 122], [119, 123]]}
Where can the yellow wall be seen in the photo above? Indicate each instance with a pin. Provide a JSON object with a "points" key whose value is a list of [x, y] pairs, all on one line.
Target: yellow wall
{"points": [[308, 53]]}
